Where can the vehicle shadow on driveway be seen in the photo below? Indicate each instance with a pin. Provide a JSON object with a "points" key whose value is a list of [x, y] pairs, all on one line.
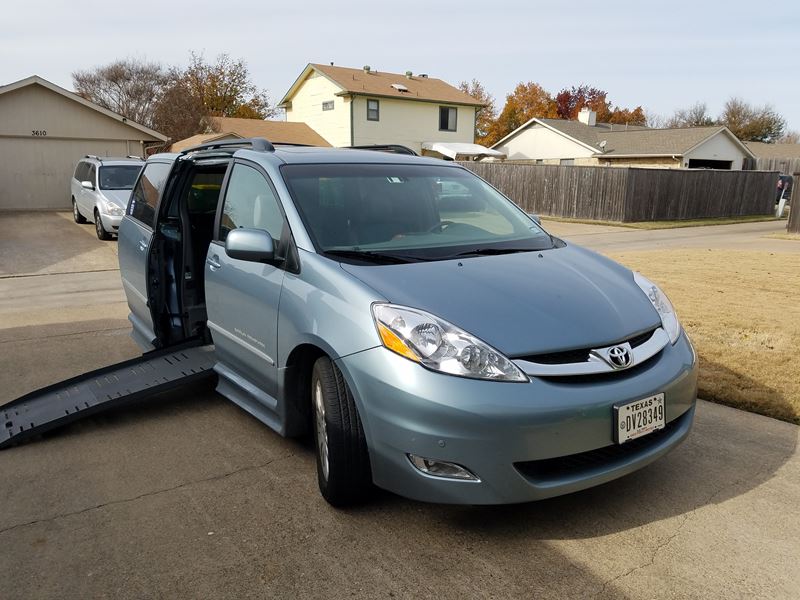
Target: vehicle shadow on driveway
{"points": [[728, 453]]}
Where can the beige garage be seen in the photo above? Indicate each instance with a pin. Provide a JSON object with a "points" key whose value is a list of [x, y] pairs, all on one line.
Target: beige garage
{"points": [[44, 130]]}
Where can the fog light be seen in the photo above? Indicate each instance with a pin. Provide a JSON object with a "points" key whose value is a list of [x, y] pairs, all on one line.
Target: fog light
{"points": [[440, 468]]}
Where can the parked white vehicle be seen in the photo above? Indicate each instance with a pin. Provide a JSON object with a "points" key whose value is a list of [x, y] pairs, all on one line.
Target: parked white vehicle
{"points": [[100, 189]]}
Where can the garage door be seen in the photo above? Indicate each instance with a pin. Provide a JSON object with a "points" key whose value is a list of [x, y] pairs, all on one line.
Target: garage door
{"points": [[35, 173]]}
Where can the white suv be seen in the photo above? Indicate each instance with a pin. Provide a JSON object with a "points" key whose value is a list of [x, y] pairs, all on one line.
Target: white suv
{"points": [[100, 190]]}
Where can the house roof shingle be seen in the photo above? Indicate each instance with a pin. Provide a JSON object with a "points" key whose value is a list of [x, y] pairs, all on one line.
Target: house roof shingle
{"points": [[764, 150], [633, 140], [276, 132], [379, 83]]}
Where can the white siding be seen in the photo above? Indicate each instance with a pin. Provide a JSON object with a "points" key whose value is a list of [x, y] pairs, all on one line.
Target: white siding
{"points": [[718, 147], [540, 143], [333, 125], [409, 123]]}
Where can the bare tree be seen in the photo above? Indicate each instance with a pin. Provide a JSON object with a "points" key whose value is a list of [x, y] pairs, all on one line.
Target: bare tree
{"points": [[654, 119], [790, 137], [129, 87], [179, 113], [694, 116]]}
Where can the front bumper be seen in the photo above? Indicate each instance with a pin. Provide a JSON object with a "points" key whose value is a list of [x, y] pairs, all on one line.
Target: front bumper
{"points": [[512, 436], [111, 222]]}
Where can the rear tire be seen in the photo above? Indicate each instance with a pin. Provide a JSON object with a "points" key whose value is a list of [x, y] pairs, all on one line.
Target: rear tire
{"points": [[343, 469], [102, 234], [76, 214]]}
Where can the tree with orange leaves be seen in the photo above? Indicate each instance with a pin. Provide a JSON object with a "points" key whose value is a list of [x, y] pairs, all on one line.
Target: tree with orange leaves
{"points": [[528, 100]]}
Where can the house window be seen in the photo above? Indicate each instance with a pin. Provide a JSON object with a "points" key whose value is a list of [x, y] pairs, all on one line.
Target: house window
{"points": [[447, 118], [373, 110], [567, 161], [327, 105]]}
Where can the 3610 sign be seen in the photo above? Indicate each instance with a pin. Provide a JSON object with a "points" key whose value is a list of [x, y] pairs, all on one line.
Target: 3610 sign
{"points": [[38, 132]]}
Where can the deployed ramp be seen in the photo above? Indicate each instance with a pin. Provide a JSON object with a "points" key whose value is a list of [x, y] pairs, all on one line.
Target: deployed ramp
{"points": [[106, 388]]}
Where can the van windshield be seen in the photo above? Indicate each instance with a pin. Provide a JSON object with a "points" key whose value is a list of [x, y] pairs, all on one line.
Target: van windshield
{"points": [[119, 177], [409, 212]]}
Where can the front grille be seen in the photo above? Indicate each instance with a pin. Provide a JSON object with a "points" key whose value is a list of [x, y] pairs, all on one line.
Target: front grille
{"points": [[580, 355], [584, 462]]}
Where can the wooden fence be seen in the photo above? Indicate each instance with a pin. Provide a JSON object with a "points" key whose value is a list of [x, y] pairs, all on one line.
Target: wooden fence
{"points": [[631, 194], [793, 226], [787, 166]]}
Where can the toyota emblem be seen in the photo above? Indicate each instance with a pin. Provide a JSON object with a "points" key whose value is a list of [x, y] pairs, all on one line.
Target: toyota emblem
{"points": [[620, 357]]}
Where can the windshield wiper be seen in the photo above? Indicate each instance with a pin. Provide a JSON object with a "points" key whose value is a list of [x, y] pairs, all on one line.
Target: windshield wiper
{"points": [[493, 251], [377, 257]]}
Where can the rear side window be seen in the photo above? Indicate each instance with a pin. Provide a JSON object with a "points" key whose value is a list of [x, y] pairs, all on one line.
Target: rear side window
{"points": [[250, 202], [80, 171], [91, 174], [144, 196]]}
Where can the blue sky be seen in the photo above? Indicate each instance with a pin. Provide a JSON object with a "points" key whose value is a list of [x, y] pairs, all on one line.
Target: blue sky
{"points": [[662, 56]]}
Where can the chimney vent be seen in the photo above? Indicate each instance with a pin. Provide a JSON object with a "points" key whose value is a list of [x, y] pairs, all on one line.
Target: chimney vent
{"points": [[587, 116], [409, 74], [423, 75], [367, 69]]}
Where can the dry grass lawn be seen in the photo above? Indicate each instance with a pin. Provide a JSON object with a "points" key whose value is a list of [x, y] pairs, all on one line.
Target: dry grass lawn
{"points": [[669, 224], [742, 311]]}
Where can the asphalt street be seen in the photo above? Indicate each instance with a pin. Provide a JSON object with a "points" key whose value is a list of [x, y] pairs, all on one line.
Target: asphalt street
{"points": [[187, 496]]}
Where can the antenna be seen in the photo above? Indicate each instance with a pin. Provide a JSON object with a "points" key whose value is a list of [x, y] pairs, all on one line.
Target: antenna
{"points": [[602, 145]]}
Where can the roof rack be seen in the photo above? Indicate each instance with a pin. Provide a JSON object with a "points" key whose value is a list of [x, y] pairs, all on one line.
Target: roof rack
{"points": [[391, 148], [134, 156], [258, 144], [94, 156]]}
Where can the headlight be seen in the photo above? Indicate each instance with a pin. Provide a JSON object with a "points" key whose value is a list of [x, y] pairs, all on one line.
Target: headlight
{"points": [[440, 346], [669, 320], [114, 210]]}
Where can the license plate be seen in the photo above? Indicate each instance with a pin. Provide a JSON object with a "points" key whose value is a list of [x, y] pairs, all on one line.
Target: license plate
{"points": [[638, 418]]}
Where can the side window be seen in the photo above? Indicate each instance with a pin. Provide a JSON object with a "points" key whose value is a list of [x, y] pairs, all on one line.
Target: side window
{"points": [[373, 110], [250, 202], [91, 174], [144, 197], [80, 169]]}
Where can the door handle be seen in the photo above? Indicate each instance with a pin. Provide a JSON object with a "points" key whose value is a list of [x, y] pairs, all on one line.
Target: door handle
{"points": [[142, 245], [214, 263]]}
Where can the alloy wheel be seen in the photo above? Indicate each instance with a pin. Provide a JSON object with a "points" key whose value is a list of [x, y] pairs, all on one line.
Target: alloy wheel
{"points": [[322, 429]]}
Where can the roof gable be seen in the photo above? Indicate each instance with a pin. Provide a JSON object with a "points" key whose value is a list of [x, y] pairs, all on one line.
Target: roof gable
{"points": [[630, 141], [378, 83], [36, 80]]}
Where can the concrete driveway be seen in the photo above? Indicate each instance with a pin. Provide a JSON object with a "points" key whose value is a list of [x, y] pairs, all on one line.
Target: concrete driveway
{"points": [[187, 496]]}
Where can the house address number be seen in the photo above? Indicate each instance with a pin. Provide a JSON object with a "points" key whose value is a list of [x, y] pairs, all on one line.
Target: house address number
{"points": [[38, 132]]}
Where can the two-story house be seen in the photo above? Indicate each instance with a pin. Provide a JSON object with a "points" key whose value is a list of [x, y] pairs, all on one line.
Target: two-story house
{"points": [[359, 107]]}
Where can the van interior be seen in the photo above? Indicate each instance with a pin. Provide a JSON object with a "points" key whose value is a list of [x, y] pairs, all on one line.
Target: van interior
{"points": [[185, 228]]}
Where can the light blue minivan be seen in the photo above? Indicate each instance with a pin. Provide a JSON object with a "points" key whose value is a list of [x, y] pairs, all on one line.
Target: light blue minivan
{"points": [[435, 339]]}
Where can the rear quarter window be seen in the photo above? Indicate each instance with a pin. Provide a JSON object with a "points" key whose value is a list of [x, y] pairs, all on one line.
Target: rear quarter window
{"points": [[145, 194]]}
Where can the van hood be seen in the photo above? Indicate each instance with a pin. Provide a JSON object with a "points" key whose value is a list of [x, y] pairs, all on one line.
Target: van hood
{"points": [[524, 303], [118, 197]]}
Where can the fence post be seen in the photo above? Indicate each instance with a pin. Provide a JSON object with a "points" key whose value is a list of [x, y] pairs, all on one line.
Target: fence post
{"points": [[793, 225]]}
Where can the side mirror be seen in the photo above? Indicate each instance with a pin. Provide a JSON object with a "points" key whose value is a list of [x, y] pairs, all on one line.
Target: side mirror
{"points": [[254, 245], [535, 218], [87, 185]]}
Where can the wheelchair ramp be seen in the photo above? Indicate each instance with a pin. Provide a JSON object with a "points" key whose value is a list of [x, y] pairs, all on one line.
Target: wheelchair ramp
{"points": [[80, 397]]}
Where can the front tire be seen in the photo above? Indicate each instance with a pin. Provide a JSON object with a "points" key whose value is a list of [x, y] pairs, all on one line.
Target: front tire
{"points": [[343, 470], [102, 234], [76, 214]]}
